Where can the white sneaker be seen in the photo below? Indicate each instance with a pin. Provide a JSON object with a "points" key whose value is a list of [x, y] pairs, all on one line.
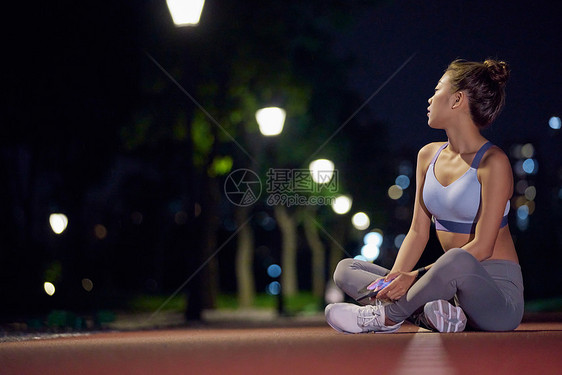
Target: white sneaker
{"points": [[350, 318], [445, 317]]}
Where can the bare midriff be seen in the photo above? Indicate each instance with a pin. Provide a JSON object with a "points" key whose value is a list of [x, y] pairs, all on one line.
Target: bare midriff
{"points": [[503, 248]]}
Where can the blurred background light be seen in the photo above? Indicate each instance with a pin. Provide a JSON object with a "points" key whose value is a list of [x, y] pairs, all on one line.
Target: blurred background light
{"points": [[395, 192], [360, 221], [373, 238], [530, 193], [185, 12], [398, 240], [274, 271], [49, 288], [555, 123], [58, 222], [321, 171], [274, 288], [100, 231], [342, 204], [370, 252], [270, 120], [530, 166], [333, 293], [523, 212], [527, 150], [87, 284], [403, 181]]}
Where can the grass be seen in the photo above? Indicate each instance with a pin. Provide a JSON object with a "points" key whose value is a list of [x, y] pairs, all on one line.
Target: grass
{"points": [[303, 302]]}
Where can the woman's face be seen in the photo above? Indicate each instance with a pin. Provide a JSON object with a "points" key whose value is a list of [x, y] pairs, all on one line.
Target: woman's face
{"points": [[440, 111]]}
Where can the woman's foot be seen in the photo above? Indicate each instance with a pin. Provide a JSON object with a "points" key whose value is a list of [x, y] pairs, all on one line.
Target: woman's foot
{"points": [[444, 317], [350, 318]]}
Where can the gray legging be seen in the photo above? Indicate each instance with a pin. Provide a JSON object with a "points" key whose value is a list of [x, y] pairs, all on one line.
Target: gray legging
{"points": [[489, 292]]}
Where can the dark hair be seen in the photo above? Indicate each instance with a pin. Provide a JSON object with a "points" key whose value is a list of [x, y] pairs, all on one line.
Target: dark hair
{"points": [[484, 83]]}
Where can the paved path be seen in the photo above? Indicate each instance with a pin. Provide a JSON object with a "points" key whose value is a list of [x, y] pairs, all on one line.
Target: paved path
{"points": [[535, 348]]}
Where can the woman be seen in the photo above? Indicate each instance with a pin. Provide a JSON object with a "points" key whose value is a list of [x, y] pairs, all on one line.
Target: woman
{"points": [[465, 185]]}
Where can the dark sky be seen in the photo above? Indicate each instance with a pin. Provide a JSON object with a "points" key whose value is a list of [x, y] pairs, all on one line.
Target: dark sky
{"points": [[526, 34]]}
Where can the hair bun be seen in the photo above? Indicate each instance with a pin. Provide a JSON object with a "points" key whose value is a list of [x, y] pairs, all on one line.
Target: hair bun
{"points": [[498, 70]]}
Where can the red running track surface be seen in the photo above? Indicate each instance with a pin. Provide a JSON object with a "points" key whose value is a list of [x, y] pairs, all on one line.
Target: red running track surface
{"points": [[535, 348]]}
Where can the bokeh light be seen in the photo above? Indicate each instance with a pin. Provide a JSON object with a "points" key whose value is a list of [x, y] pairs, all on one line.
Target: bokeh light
{"points": [[342, 204], [49, 288], [87, 284], [403, 181], [58, 222], [361, 221], [398, 240], [395, 192], [373, 238], [321, 171], [527, 150], [523, 212], [100, 231], [530, 166], [270, 120], [274, 288], [370, 252], [333, 293], [274, 271], [530, 193], [555, 123]]}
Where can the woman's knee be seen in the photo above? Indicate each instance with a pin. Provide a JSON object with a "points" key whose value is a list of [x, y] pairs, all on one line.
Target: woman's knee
{"points": [[342, 268], [458, 257]]}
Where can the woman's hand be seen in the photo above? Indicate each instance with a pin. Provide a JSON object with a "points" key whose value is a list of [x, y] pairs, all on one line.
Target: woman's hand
{"points": [[400, 283]]}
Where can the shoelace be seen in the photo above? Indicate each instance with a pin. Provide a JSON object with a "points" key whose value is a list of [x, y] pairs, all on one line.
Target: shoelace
{"points": [[369, 315]]}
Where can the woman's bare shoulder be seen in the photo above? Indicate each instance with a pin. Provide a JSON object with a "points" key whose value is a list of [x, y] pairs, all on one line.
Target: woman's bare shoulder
{"points": [[427, 152], [495, 158]]}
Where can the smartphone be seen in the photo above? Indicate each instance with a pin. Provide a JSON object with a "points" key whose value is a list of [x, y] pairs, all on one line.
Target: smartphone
{"points": [[373, 291]]}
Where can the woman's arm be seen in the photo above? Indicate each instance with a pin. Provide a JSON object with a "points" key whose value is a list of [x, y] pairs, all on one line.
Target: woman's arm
{"points": [[414, 244], [418, 234], [496, 178]]}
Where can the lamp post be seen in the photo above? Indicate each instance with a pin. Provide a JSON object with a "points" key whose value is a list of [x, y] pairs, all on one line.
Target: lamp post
{"points": [[270, 121]]}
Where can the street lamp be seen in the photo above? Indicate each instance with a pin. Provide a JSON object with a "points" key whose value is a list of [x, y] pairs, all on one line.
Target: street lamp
{"points": [[322, 171], [270, 120], [185, 12], [58, 222]]}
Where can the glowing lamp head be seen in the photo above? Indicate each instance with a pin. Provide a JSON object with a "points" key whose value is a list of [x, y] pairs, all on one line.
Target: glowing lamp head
{"points": [[185, 12], [271, 120], [321, 171]]}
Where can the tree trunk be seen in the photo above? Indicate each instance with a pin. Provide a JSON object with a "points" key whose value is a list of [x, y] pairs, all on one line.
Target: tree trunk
{"points": [[318, 253], [337, 242], [288, 227], [245, 259]]}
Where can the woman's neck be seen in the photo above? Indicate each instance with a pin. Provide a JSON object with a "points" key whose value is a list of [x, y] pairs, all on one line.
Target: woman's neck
{"points": [[464, 139]]}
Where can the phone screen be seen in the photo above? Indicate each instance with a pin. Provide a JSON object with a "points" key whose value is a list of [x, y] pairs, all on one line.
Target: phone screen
{"points": [[373, 291]]}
